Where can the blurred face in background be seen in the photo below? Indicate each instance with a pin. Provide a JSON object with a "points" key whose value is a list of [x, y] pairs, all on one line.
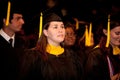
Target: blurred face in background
{"points": [[115, 36], [70, 37], [16, 23]]}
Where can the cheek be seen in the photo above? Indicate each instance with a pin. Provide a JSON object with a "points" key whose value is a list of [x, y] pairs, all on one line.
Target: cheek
{"points": [[49, 34], [113, 36], [114, 39], [64, 33]]}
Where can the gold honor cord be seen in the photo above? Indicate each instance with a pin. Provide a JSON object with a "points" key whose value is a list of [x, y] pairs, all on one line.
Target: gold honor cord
{"points": [[108, 32], [8, 13], [40, 25]]}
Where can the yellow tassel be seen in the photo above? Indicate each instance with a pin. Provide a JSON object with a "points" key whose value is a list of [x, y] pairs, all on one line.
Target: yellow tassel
{"points": [[86, 36], [77, 23], [108, 32], [116, 51], [40, 26], [90, 35], [8, 13], [54, 50]]}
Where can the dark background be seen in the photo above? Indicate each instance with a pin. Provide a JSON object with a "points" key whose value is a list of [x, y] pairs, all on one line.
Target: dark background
{"points": [[84, 10]]}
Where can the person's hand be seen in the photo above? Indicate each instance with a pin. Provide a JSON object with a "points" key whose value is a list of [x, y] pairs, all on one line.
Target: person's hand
{"points": [[116, 77]]}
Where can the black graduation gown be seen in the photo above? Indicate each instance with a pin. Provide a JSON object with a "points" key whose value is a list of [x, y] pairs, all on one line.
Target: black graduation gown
{"points": [[9, 59], [63, 67], [96, 67]]}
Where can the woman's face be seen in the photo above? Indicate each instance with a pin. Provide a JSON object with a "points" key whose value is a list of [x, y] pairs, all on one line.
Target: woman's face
{"points": [[115, 36], [55, 32], [70, 37]]}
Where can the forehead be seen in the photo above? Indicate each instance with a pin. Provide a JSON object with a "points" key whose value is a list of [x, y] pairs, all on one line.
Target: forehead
{"points": [[17, 15], [117, 28], [56, 23], [69, 29]]}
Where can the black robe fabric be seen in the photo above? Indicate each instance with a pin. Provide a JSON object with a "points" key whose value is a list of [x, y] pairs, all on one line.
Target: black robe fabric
{"points": [[9, 59], [66, 66], [97, 68]]}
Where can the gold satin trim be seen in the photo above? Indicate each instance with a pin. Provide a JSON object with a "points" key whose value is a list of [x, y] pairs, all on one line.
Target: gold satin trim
{"points": [[55, 50], [116, 51]]}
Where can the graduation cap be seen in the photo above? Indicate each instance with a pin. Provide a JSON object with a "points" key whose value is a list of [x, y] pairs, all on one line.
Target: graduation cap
{"points": [[114, 20], [50, 17], [45, 19], [16, 7], [10, 7]]}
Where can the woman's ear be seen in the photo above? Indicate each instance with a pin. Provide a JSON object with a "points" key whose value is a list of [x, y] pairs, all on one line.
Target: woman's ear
{"points": [[105, 31], [45, 32]]}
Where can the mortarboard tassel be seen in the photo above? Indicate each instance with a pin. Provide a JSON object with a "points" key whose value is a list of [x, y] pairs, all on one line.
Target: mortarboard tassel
{"points": [[86, 36], [90, 35], [77, 23], [108, 32], [40, 26], [8, 13]]}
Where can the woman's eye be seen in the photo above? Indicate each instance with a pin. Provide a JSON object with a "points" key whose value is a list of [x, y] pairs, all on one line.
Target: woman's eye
{"points": [[55, 27], [117, 33], [62, 26]]}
